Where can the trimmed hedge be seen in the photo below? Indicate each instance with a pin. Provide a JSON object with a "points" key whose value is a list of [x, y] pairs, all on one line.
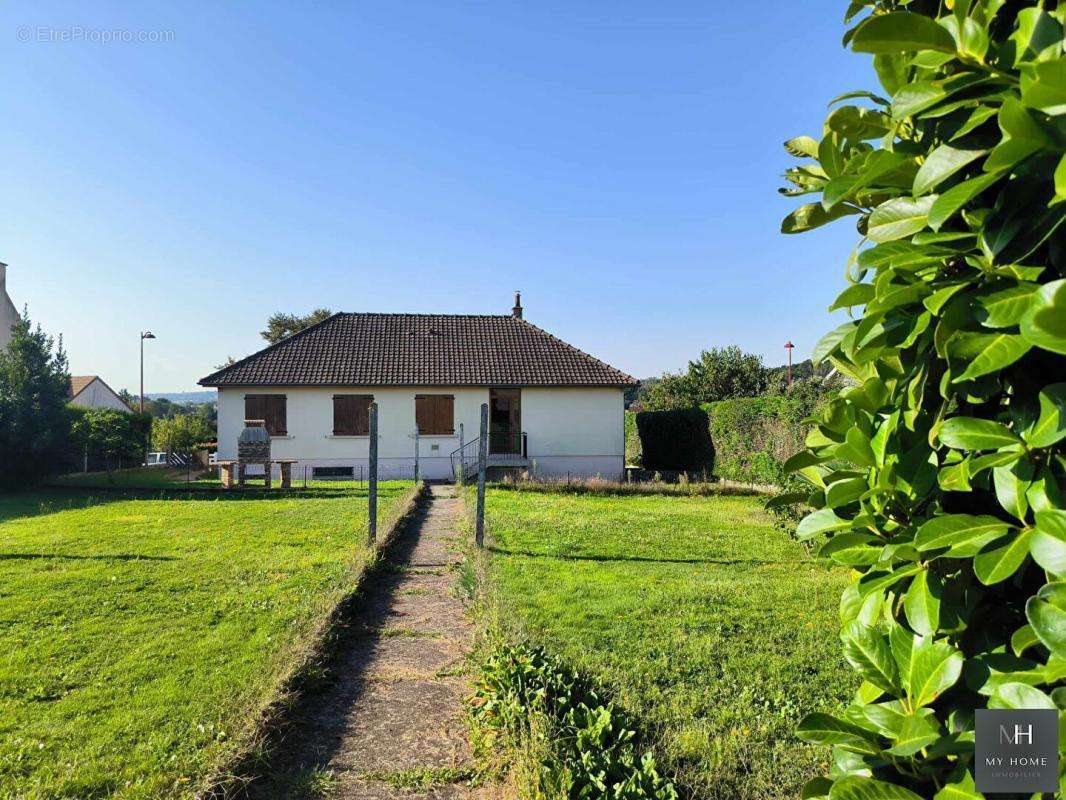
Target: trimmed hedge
{"points": [[745, 439], [675, 440]]}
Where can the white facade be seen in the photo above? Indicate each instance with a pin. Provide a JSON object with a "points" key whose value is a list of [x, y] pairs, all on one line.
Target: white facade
{"points": [[8, 313], [572, 429], [98, 394]]}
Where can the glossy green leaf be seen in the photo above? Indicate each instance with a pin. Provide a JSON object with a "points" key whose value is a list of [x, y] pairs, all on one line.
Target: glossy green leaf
{"points": [[1005, 308], [940, 165], [1048, 543], [828, 343], [951, 202], [855, 295], [854, 787], [901, 31], [899, 217], [1046, 88], [1022, 136], [936, 667], [842, 492], [1019, 696], [917, 732], [868, 652], [1046, 614], [1011, 482], [999, 560], [985, 353], [922, 602], [821, 521], [812, 215], [825, 729], [970, 433], [1022, 639], [853, 549], [962, 789], [802, 147], [1044, 324], [963, 534]]}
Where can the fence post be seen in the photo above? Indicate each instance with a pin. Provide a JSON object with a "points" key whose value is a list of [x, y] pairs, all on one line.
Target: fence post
{"points": [[416, 455], [482, 457], [462, 441], [372, 478]]}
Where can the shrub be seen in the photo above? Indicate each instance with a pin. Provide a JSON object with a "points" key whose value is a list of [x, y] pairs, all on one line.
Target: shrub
{"points": [[939, 476], [675, 440], [586, 745]]}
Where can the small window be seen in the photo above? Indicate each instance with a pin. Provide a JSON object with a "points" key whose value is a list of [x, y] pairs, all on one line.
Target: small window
{"points": [[271, 408], [435, 414], [351, 414]]}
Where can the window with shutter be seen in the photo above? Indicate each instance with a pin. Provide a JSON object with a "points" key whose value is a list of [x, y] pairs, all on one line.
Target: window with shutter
{"points": [[351, 414], [435, 414], [271, 408]]}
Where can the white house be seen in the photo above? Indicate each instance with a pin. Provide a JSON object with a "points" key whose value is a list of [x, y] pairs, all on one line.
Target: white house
{"points": [[552, 408], [8, 313], [90, 391]]}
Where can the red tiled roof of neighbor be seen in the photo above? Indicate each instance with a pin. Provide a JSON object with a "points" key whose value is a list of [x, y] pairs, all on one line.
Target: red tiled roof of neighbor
{"points": [[78, 384], [420, 350]]}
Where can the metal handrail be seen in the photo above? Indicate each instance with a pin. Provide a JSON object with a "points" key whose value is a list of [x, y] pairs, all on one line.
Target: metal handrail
{"points": [[465, 457]]}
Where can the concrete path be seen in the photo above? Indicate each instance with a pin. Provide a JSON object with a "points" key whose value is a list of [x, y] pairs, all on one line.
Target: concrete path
{"points": [[387, 720]]}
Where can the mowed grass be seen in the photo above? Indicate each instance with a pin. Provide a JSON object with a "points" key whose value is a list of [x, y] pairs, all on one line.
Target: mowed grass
{"points": [[141, 638], [712, 626]]}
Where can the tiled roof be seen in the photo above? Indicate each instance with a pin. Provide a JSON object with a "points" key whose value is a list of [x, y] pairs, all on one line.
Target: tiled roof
{"points": [[78, 384], [420, 350]]}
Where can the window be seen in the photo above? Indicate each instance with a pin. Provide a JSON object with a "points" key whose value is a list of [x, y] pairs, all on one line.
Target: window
{"points": [[435, 414], [271, 409], [351, 414]]}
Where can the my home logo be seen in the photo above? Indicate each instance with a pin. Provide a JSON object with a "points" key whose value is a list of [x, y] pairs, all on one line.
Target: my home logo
{"points": [[1017, 751], [1021, 735]]}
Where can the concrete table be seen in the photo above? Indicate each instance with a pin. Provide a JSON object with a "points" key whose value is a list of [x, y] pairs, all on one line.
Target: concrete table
{"points": [[286, 472]]}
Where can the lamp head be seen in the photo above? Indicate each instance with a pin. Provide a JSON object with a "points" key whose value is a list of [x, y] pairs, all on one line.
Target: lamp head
{"points": [[147, 335]]}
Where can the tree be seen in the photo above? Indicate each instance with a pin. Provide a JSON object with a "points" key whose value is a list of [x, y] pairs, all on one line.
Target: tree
{"points": [[34, 422], [281, 326], [108, 437], [717, 374], [181, 433], [939, 475]]}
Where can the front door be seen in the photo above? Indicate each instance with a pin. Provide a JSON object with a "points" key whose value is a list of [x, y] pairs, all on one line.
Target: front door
{"points": [[505, 421]]}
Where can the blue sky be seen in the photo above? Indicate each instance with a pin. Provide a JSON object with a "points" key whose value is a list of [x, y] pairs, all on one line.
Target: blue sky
{"points": [[617, 162]]}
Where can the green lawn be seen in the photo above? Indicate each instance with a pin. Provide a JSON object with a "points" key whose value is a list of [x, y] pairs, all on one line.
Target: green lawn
{"points": [[713, 627], [139, 638], [141, 477]]}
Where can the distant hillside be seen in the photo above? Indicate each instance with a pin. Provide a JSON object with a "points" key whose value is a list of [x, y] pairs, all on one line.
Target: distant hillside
{"points": [[185, 397]]}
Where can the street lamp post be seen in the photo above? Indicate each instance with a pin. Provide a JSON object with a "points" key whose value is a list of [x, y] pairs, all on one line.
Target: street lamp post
{"points": [[144, 335], [148, 434], [789, 346]]}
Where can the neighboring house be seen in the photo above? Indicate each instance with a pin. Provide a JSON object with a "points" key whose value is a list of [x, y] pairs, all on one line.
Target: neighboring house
{"points": [[552, 407], [8, 313], [90, 391]]}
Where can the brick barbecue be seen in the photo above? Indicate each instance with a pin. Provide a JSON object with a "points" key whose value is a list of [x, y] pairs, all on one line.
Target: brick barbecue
{"points": [[253, 447]]}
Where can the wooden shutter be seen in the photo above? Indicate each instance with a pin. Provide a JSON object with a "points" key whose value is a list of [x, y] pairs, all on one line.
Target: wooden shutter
{"points": [[435, 414], [271, 408], [351, 414]]}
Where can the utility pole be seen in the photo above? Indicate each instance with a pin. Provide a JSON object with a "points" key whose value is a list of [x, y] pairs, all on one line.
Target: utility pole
{"points": [[788, 347]]}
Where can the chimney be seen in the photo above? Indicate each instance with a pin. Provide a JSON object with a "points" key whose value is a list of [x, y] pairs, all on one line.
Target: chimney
{"points": [[516, 312], [3, 276]]}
